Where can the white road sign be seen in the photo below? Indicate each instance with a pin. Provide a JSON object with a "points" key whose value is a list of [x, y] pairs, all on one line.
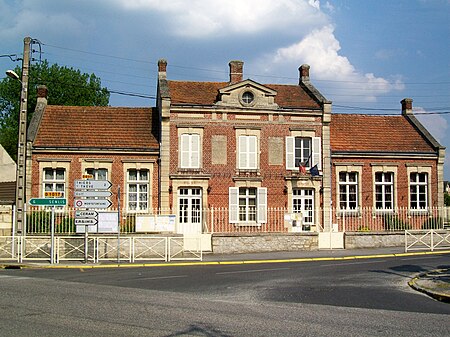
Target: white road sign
{"points": [[85, 222], [90, 194], [92, 203], [92, 184], [86, 214]]}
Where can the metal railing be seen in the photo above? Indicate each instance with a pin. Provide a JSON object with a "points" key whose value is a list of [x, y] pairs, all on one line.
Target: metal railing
{"points": [[430, 240], [100, 248], [216, 220]]}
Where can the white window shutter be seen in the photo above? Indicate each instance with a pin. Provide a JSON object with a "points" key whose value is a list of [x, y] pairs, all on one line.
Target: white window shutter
{"points": [[184, 148], [242, 152], [317, 153], [262, 205], [233, 204], [290, 155], [252, 155], [195, 151]]}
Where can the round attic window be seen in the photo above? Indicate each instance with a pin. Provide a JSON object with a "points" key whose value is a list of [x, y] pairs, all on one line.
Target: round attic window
{"points": [[247, 98]]}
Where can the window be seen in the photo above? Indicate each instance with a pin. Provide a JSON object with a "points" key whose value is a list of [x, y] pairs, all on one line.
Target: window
{"points": [[98, 174], [418, 186], [303, 203], [304, 151], [384, 190], [247, 98], [348, 190], [190, 151], [54, 180], [137, 190], [248, 205], [247, 149]]}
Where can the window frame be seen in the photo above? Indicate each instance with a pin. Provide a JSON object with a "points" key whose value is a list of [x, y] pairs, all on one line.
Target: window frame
{"points": [[314, 156], [235, 207], [347, 184], [190, 150], [247, 156], [383, 184], [138, 182], [417, 184]]}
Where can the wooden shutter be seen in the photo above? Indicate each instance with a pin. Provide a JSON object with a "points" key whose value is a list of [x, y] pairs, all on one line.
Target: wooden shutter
{"points": [[262, 205], [195, 151], [233, 204], [317, 153], [185, 153], [290, 153], [252, 152]]}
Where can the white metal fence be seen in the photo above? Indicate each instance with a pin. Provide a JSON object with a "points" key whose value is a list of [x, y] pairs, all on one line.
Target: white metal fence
{"points": [[216, 220], [100, 248], [430, 240]]}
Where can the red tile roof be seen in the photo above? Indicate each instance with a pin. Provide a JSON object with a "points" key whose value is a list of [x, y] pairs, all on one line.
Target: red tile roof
{"points": [[206, 93], [96, 127], [368, 133]]}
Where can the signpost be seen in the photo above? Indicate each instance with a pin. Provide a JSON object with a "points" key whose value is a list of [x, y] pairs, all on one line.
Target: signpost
{"points": [[93, 194]]}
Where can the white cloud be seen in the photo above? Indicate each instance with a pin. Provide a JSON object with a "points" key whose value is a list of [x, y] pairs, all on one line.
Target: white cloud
{"points": [[320, 49], [207, 18]]}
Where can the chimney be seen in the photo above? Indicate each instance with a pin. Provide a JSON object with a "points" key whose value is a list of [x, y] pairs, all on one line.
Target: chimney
{"points": [[162, 67], [406, 106], [236, 68], [304, 73], [42, 92]]}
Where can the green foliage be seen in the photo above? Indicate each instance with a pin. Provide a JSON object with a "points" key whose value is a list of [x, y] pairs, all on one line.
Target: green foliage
{"points": [[39, 222], [446, 199], [433, 223], [65, 225], [393, 223], [66, 86]]}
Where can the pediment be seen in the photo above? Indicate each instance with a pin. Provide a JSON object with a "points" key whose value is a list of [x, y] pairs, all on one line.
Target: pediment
{"points": [[247, 94]]}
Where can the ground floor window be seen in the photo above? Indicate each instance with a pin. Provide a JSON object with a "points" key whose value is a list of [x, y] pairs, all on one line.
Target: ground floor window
{"points": [[384, 191], [248, 205], [418, 191], [137, 190], [54, 180]]}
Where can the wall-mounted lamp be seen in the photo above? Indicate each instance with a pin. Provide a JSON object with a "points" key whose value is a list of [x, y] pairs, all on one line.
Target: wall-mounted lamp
{"points": [[285, 189], [209, 189], [170, 189]]}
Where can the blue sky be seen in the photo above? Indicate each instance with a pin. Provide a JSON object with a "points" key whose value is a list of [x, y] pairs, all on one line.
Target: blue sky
{"points": [[365, 56]]}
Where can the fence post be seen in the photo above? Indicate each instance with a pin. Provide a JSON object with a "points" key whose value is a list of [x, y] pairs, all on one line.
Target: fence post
{"points": [[432, 241]]}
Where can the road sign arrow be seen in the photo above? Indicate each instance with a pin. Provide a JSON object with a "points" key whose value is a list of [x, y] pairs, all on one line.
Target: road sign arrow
{"points": [[92, 203], [86, 214], [92, 184], [85, 222], [99, 194]]}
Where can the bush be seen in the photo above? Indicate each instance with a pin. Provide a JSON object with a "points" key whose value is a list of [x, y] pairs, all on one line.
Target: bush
{"points": [[39, 222], [393, 223], [433, 223]]}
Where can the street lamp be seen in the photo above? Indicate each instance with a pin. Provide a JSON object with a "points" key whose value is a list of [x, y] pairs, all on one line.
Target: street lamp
{"points": [[22, 141]]}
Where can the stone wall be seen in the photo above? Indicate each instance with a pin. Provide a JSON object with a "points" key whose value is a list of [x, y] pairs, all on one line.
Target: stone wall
{"points": [[374, 240], [273, 242], [270, 242]]}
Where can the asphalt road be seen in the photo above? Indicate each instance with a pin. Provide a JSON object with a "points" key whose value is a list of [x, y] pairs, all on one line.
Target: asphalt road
{"points": [[322, 298]]}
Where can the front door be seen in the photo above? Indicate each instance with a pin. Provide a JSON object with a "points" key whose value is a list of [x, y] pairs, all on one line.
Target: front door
{"points": [[303, 203], [190, 210]]}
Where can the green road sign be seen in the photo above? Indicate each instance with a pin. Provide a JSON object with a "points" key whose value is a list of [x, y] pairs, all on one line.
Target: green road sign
{"points": [[48, 201]]}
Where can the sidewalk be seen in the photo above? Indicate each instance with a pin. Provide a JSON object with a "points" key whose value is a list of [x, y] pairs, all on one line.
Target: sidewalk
{"points": [[435, 283]]}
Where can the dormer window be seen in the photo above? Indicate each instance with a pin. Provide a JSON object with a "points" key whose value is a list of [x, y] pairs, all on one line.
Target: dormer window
{"points": [[247, 98]]}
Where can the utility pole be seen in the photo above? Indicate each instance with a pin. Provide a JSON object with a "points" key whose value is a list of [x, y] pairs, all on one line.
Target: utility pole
{"points": [[22, 142]]}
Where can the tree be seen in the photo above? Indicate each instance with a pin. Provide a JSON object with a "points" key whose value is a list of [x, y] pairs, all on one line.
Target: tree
{"points": [[66, 86], [446, 199]]}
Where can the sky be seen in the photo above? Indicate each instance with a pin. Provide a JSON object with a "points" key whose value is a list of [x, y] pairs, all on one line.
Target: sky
{"points": [[365, 56]]}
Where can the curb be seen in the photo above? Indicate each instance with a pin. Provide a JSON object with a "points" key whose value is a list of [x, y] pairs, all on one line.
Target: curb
{"points": [[434, 294], [206, 263]]}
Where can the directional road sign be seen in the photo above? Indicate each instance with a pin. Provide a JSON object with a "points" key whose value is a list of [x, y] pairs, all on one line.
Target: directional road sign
{"points": [[92, 184], [48, 201], [99, 194], [85, 222], [92, 203], [86, 214]]}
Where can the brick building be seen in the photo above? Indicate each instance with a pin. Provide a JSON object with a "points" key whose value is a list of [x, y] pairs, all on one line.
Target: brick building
{"points": [[116, 144]]}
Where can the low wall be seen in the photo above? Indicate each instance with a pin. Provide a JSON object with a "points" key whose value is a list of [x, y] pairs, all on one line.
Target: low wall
{"points": [[355, 240], [266, 242], [273, 242]]}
